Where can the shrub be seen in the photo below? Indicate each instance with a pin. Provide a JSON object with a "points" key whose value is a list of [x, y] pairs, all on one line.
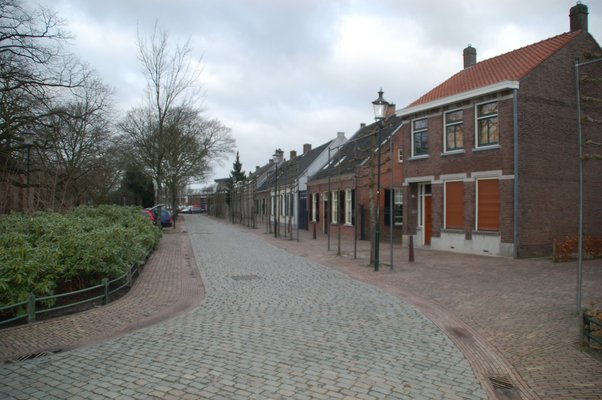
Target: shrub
{"points": [[44, 252]]}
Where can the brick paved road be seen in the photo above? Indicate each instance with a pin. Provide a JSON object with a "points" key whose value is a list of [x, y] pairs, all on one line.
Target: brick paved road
{"points": [[273, 326]]}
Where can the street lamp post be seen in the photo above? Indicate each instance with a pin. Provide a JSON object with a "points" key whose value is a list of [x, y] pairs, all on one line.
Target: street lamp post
{"points": [[28, 140], [380, 108]]}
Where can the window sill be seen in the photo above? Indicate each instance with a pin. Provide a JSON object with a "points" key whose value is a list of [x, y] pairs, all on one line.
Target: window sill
{"points": [[483, 148], [486, 233], [452, 152], [420, 157], [452, 230]]}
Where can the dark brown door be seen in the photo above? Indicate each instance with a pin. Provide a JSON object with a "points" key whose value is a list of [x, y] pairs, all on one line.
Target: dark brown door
{"points": [[427, 220]]}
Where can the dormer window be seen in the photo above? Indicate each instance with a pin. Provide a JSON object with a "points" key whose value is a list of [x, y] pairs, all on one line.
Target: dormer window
{"points": [[487, 124]]}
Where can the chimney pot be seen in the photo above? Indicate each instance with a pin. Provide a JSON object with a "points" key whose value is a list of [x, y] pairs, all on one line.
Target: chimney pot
{"points": [[470, 56], [306, 148], [362, 125], [578, 17], [293, 154]]}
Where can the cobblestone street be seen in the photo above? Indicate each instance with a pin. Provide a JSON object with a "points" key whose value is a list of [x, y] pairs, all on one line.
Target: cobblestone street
{"points": [[272, 326]]}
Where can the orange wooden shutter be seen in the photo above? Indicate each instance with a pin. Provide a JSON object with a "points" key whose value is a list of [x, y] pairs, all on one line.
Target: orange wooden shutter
{"points": [[454, 205], [488, 216]]}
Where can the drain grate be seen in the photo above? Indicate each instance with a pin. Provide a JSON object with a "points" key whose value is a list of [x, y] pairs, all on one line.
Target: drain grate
{"points": [[501, 382], [31, 356], [244, 277]]}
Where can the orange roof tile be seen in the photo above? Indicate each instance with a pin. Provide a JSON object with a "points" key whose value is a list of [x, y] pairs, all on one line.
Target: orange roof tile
{"points": [[511, 66]]}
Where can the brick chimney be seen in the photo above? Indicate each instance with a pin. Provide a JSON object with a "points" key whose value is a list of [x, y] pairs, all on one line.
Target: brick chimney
{"points": [[293, 154], [578, 17], [306, 148], [362, 125], [341, 135], [390, 110], [470, 56]]}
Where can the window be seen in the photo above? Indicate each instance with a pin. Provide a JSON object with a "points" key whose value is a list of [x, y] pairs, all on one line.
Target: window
{"points": [[398, 206], [282, 205], [325, 208], [454, 131], [400, 155], [348, 207], [335, 207], [420, 137], [487, 124], [488, 205], [314, 207], [454, 205]]}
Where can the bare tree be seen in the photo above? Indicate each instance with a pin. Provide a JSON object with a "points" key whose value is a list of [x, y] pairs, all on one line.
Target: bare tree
{"points": [[193, 144], [171, 139], [172, 81], [35, 73], [74, 144]]}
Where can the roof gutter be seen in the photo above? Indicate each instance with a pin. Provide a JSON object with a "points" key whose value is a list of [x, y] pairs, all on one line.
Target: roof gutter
{"points": [[496, 87]]}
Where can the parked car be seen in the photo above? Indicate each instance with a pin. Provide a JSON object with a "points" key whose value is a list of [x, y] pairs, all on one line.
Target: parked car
{"points": [[165, 218], [147, 212]]}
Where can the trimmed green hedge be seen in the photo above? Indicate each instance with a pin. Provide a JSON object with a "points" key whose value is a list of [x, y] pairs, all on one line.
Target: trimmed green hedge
{"points": [[49, 253]]}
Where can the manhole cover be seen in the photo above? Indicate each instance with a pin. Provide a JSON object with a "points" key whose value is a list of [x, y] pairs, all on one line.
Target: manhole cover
{"points": [[244, 277]]}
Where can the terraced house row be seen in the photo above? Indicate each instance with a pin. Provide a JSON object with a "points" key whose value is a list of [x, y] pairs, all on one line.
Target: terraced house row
{"points": [[487, 162]]}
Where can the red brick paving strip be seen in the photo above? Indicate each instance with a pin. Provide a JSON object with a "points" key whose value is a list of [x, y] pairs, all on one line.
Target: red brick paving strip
{"points": [[168, 285], [513, 318]]}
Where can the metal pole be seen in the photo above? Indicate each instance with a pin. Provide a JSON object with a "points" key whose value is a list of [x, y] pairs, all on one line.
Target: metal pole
{"points": [[326, 214], [377, 230], [580, 143], [356, 225], [276, 202], [391, 198], [28, 167]]}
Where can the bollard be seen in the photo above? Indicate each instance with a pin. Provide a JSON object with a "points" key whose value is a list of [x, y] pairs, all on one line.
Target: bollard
{"points": [[314, 230], [411, 248], [31, 308], [105, 282]]}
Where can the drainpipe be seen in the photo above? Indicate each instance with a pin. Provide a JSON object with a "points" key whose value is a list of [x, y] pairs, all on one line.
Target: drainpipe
{"points": [[515, 122]]}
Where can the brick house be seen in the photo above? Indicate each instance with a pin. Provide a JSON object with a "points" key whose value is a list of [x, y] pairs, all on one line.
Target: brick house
{"points": [[491, 155], [339, 193], [286, 185]]}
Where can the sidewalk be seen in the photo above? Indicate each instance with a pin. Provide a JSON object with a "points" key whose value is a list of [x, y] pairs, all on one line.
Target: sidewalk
{"points": [[515, 320], [168, 286]]}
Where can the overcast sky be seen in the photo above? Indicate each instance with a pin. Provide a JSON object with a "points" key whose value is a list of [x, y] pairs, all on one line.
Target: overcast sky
{"points": [[283, 73]]}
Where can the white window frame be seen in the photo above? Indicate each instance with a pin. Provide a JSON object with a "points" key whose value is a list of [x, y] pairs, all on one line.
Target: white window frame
{"points": [[446, 125], [489, 116], [400, 155], [419, 131], [348, 207], [314, 203]]}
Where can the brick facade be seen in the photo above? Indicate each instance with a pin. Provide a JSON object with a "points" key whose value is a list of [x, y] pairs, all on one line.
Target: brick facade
{"points": [[547, 173]]}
